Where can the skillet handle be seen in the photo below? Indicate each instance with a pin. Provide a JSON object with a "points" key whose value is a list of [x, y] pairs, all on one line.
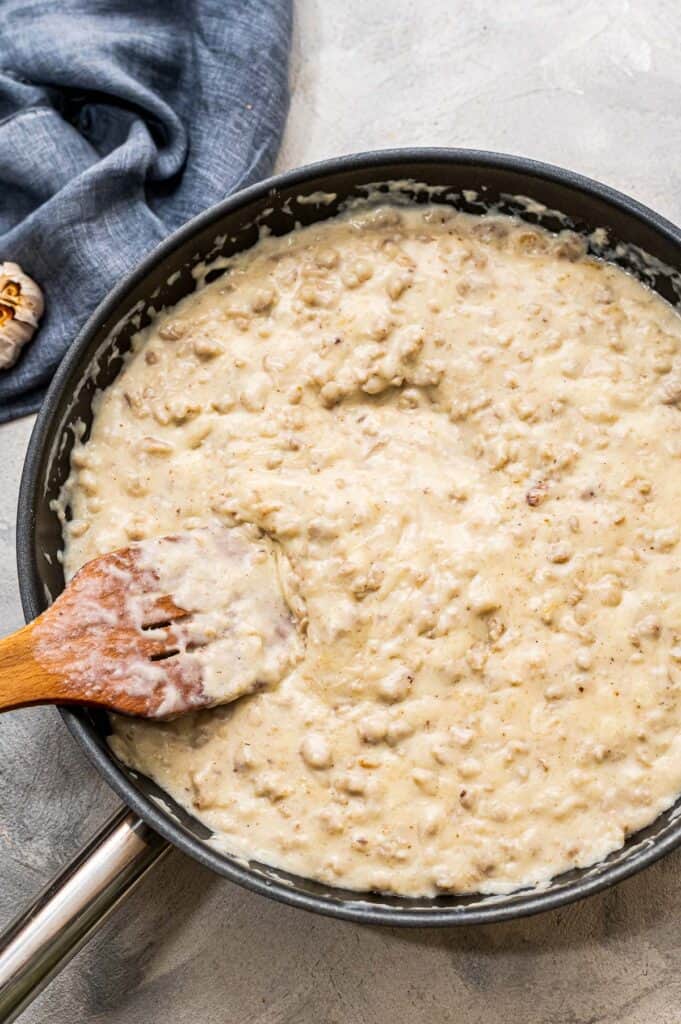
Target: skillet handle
{"points": [[64, 916]]}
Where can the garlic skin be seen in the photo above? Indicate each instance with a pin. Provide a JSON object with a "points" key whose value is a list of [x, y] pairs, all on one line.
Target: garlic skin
{"points": [[21, 307]]}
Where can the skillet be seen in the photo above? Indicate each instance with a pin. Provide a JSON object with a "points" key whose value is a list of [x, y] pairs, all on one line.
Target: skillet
{"points": [[641, 241]]}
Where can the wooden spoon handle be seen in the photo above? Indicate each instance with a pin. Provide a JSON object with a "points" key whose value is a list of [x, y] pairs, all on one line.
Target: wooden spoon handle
{"points": [[22, 681]]}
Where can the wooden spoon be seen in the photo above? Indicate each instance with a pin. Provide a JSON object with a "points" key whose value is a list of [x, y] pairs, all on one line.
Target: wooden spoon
{"points": [[108, 640]]}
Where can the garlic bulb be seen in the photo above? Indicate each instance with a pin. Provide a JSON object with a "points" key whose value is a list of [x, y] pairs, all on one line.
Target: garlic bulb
{"points": [[21, 306]]}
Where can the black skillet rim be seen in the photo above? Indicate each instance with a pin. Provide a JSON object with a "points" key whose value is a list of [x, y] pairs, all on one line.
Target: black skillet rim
{"points": [[336, 904]]}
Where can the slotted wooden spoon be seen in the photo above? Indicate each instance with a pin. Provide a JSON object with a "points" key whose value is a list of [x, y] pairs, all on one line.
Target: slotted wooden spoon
{"points": [[111, 640]]}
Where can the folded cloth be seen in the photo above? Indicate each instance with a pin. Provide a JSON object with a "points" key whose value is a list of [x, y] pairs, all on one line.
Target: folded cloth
{"points": [[119, 120]]}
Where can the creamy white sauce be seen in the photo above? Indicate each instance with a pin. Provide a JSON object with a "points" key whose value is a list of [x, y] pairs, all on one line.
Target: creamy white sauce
{"points": [[463, 435]]}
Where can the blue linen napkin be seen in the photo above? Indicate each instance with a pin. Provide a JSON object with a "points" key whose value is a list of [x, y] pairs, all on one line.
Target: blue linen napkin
{"points": [[119, 120]]}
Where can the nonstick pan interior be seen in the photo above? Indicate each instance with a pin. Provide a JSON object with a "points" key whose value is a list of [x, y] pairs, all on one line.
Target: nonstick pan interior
{"points": [[470, 180]]}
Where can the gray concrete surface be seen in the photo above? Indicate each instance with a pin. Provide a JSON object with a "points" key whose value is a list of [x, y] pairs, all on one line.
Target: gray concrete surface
{"points": [[591, 84]]}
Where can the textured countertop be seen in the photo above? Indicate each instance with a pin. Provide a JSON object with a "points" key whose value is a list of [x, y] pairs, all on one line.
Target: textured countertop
{"points": [[594, 85]]}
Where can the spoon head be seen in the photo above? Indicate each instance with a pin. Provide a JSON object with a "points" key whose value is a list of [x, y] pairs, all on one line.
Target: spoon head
{"points": [[173, 624]]}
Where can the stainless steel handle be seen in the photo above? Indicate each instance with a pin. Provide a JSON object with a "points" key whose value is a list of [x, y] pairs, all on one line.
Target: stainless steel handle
{"points": [[40, 942]]}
